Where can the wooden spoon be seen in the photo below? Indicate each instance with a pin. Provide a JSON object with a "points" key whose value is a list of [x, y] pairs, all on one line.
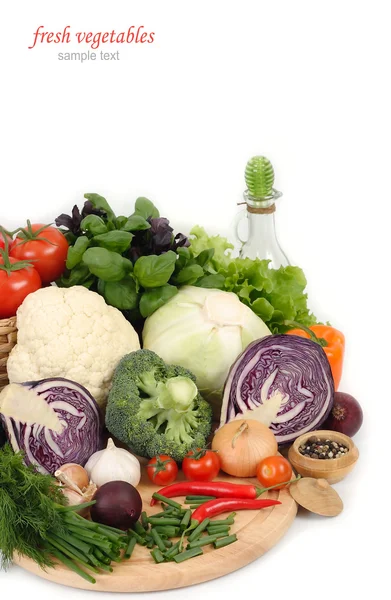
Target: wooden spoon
{"points": [[317, 496]]}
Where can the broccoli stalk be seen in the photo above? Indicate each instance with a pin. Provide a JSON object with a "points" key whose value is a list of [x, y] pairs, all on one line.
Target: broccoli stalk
{"points": [[156, 408]]}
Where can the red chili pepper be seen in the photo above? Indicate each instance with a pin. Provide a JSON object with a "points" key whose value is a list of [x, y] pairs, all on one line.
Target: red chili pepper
{"points": [[221, 505], [220, 489]]}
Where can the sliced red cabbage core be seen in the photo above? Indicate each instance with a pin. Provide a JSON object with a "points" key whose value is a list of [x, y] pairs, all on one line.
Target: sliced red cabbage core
{"points": [[52, 421], [284, 381]]}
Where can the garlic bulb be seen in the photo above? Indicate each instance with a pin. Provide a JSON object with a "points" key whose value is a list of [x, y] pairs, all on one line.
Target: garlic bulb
{"points": [[113, 464]]}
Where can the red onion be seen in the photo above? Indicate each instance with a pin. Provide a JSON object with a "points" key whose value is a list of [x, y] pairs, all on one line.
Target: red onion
{"points": [[118, 504], [346, 415]]}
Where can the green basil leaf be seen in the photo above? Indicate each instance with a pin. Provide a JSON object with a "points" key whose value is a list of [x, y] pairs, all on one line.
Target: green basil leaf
{"points": [[99, 202], [146, 208], [183, 251], [205, 256], [93, 224], [117, 241], [121, 294], [154, 271], [77, 276], [106, 265], [189, 275], [154, 298], [120, 221], [136, 223], [75, 253], [211, 282]]}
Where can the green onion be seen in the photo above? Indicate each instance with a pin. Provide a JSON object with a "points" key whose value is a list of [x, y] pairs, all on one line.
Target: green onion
{"points": [[144, 520], [112, 529], [203, 541], [130, 548], [168, 501], [188, 554], [86, 533], [218, 528], [71, 565], [101, 557], [138, 528], [228, 521], [53, 539], [168, 543], [197, 502], [194, 506], [186, 520], [198, 530], [80, 544], [157, 556], [74, 507], [140, 540], [158, 540], [112, 537], [72, 555], [168, 530], [164, 521], [102, 545], [225, 541], [150, 543], [173, 551]]}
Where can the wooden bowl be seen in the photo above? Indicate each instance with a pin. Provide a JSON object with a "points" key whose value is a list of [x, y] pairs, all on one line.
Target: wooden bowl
{"points": [[332, 469]]}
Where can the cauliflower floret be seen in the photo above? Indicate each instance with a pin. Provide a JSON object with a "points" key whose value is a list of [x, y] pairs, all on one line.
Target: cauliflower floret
{"points": [[71, 333]]}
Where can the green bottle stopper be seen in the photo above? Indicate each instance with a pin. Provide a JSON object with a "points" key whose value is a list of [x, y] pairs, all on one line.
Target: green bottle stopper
{"points": [[259, 176]]}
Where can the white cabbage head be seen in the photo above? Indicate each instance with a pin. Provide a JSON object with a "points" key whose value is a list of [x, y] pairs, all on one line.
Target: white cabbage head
{"points": [[203, 330]]}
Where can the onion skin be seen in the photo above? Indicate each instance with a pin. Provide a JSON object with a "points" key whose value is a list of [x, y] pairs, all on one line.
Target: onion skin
{"points": [[242, 444], [118, 504], [346, 415], [77, 475]]}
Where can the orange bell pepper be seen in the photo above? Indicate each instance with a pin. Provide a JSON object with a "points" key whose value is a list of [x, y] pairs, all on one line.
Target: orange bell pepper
{"points": [[332, 342]]}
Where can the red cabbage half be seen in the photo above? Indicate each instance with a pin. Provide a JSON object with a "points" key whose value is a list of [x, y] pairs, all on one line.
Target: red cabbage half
{"points": [[52, 421], [284, 381]]}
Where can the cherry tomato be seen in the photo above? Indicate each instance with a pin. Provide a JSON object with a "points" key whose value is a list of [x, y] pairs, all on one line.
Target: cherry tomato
{"points": [[15, 286], [45, 246], [162, 470], [274, 470], [201, 465], [2, 241]]}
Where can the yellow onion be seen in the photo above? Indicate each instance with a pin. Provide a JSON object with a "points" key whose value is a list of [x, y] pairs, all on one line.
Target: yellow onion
{"points": [[242, 444], [74, 498], [73, 476]]}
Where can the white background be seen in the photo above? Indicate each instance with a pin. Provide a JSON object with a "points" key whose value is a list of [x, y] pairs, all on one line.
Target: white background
{"points": [[305, 83]]}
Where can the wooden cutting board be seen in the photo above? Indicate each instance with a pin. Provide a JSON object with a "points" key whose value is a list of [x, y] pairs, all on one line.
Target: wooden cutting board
{"points": [[257, 532]]}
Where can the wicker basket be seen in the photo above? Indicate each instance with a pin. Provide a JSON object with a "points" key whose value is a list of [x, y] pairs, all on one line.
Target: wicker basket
{"points": [[7, 342]]}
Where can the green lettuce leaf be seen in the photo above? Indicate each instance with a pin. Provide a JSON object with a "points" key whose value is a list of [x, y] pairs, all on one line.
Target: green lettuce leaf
{"points": [[273, 294]]}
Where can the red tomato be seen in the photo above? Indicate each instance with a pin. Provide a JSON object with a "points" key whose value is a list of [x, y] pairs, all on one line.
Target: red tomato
{"points": [[47, 248], [15, 286], [202, 465], [274, 470], [2, 241], [162, 470]]}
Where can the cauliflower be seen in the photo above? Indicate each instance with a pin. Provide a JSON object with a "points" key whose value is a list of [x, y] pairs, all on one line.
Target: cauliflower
{"points": [[71, 333]]}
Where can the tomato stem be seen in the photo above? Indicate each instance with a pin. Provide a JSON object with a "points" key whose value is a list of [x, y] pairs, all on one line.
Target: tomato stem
{"points": [[27, 234], [7, 266]]}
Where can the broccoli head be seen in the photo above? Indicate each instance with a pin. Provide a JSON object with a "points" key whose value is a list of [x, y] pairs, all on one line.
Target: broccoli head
{"points": [[156, 408]]}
